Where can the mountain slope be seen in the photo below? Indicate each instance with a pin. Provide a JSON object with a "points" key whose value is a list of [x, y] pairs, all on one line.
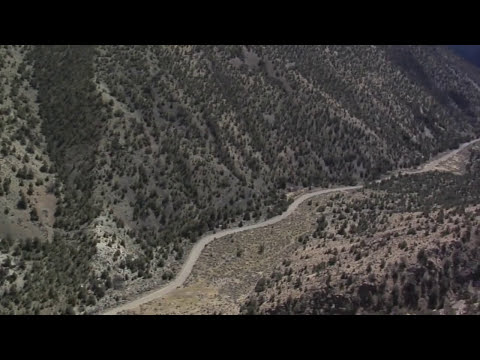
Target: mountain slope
{"points": [[152, 146], [407, 245]]}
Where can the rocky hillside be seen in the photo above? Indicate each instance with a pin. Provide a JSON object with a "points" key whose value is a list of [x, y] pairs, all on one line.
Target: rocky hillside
{"points": [[409, 245], [114, 159]]}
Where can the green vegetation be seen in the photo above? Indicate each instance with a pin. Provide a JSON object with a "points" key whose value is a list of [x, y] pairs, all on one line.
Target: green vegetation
{"points": [[436, 221], [143, 149]]}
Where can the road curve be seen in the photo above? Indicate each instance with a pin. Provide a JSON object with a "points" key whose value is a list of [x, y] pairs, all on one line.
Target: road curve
{"points": [[205, 240], [429, 166]]}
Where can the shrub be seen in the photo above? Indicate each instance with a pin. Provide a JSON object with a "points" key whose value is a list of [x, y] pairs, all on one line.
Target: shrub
{"points": [[22, 203], [34, 215]]}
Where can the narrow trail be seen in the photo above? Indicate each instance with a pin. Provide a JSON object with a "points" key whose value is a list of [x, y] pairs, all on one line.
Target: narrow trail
{"points": [[205, 240]]}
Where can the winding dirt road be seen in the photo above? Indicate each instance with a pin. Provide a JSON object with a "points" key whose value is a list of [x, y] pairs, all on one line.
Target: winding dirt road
{"points": [[432, 164], [200, 245]]}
